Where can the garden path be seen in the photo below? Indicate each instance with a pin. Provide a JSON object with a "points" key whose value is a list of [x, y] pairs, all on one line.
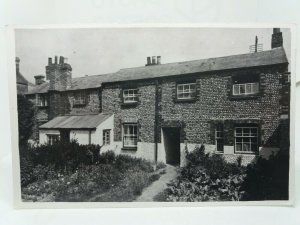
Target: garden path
{"points": [[159, 185]]}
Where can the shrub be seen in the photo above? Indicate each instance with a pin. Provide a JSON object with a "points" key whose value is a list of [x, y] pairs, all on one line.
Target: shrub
{"points": [[267, 179], [205, 178]]}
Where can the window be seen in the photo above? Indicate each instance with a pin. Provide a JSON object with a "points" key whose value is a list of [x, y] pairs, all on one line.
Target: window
{"points": [[245, 89], [130, 95], [130, 135], [53, 138], [246, 139], [41, 100], [106, 137], [219, 138], [80, 98], [186, 91]]}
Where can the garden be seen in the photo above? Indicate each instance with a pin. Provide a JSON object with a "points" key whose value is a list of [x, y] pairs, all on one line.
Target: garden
{"points": [[208, 177], [72, 172]]}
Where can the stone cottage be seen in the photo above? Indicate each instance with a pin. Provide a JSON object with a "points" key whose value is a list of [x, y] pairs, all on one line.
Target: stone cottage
{"points": [[237, 106]]}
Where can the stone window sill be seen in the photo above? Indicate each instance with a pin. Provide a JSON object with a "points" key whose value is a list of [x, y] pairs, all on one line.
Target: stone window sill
{"points": [[185, 100], [129, 148], [243, 97]]}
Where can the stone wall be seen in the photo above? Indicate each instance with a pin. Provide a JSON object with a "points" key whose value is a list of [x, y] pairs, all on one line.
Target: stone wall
{"points": [[92, 104], [214, 103]]}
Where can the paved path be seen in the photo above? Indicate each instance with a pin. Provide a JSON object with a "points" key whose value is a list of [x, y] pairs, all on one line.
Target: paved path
{"points": [[159, 185]]}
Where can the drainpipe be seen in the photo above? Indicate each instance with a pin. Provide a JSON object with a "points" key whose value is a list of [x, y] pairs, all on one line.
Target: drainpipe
{"points": [[156, 131]]}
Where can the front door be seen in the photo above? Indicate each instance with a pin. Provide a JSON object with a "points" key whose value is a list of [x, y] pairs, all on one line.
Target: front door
{"points": [[172, 145]]}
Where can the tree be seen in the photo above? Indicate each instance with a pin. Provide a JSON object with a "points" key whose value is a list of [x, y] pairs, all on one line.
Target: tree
{"points": [[26, 115]]}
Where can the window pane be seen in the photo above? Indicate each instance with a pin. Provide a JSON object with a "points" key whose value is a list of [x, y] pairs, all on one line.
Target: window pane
{"points": [[255, 88], [180, 88], [242, 89], [253, 132], [239, 140], [246, 131], [248, 88], [236, 89], [239, 147], [238, 131], [246, 147]]}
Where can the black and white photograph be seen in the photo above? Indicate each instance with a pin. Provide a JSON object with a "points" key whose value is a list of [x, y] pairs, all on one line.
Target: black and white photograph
{"points": [[153, 114]]}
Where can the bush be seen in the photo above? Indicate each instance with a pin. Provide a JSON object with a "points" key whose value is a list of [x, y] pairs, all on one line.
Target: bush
{"points": [[267, 179], [73, 172], [205, 178]]}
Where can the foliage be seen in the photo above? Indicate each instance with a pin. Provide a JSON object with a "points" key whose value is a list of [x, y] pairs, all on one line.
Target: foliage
{"points": [[160, 165], [205, 178], [26, 115], [87, 176], [267, 179]]}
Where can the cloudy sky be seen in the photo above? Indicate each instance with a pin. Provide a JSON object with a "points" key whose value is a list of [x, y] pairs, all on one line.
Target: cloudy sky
{"points": [[92, 51]]}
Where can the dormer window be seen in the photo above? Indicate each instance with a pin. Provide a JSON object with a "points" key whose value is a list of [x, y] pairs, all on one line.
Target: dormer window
{"points": [[244, 85], [80, 98], [130, 96], [186, 91], [41, 100]]}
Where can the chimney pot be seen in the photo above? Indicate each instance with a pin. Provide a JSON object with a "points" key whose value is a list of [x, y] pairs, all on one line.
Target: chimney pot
{"points": [[17, 64], [55, 60], [158, 60], [153, 60], [148, 61], [61, 60], [49, 61]]}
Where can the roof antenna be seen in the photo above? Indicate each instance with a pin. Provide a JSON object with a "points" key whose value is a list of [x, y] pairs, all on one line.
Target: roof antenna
{"points": [[256, 47]]}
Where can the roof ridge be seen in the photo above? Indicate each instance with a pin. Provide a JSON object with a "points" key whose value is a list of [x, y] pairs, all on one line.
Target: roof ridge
{"points": [[195, 60]]}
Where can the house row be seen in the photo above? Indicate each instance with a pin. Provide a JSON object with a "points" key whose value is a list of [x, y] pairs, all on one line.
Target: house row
{"points": [[237, 106]]}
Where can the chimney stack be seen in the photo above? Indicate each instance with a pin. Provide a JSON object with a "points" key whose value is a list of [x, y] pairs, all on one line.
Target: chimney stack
{"points": [[39, 79], [158, 60], [17, 64], [277, 40], [59, 74]]}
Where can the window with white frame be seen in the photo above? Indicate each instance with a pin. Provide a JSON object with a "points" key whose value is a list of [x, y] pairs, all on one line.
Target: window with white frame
{"points": [[130, 95], [186, 91], [53, 138], [219, 138], [106, 137], [80, 98], [245, 89], [130, 135], [41, 100], [246, 139]]}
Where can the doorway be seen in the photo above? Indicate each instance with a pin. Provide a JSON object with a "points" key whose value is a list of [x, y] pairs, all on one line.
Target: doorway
{"points": [[172, 144], [65, 135]]}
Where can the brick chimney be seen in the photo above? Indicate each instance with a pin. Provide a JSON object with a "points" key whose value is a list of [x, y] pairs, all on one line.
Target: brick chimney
{"points": [[59, 74], [39, 79], [17, 64], [277, 40]]}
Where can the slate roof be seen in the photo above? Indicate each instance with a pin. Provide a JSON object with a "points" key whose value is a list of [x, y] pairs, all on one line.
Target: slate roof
{"points": [[76, 122], [264, 58], [21, 79]]}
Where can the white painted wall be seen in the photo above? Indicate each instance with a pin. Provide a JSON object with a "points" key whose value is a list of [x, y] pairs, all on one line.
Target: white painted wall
{"points": [[97, 136], [81, 136], [43, 135]]}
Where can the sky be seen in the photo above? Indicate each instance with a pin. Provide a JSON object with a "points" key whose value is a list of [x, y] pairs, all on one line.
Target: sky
{"points": [[93, 51]]}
